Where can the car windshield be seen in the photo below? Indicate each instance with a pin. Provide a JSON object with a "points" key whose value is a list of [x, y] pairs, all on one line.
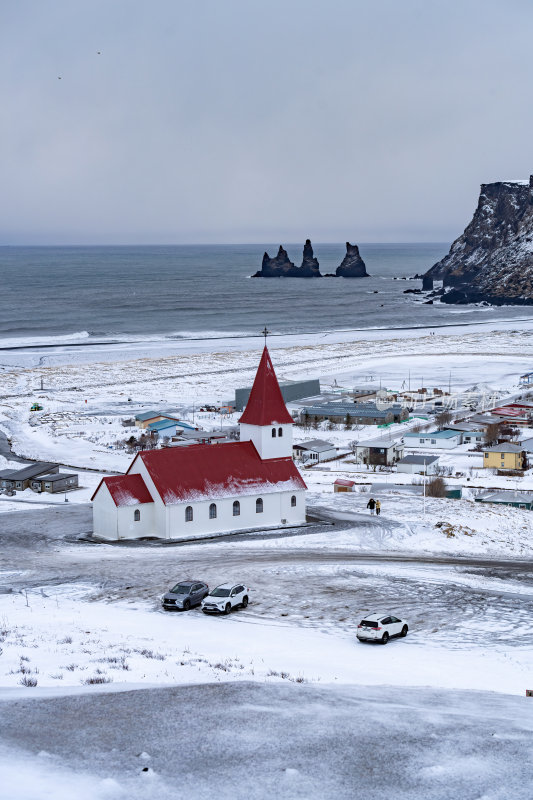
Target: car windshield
{"points": [[181, 588], [220, 592], [368, 624]]}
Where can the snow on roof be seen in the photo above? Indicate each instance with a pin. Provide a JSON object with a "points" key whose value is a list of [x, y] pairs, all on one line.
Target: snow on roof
{"points": [[126, 490], [506, 447], [265, 405], [344, 482], [147, 415], [432, 435], [318, 445], [204, 471]]}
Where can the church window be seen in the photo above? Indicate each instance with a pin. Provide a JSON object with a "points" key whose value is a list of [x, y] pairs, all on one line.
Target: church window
{"points": [[273, 433], [293, 501], [280, 431], [236, 509], [213, 511], [188, 514], [136, 515], [258, 506]]}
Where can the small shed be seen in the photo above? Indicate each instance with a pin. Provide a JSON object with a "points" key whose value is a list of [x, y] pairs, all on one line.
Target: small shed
{"points": [[416, 464], [343, 485]]}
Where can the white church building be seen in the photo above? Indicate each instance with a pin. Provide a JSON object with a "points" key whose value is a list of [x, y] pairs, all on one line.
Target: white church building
{"points": [[211, 488]]}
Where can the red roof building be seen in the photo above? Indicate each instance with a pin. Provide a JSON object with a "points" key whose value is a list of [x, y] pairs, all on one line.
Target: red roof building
{"points": [[173, 492]]}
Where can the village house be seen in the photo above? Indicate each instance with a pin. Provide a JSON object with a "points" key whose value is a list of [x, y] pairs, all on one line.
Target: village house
{"points": [[54, 483], [445, 440], [20, 479], [504, 456], [180, 491], [381, 452], [522, 500], [343, 485], [315, 451]]}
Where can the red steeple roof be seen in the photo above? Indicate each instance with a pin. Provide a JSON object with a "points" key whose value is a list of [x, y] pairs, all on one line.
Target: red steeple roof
{"points": [[266, 405]]}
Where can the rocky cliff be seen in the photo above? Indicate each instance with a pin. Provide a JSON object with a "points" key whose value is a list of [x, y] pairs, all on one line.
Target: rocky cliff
{"points": [[492, 260], [352, 265]]}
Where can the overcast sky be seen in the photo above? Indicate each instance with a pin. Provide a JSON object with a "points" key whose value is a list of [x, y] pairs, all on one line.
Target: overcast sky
{"points": [[128, 121]]}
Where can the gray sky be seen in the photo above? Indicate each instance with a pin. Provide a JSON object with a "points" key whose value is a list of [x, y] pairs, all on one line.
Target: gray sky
{"points": [[258, 120]]}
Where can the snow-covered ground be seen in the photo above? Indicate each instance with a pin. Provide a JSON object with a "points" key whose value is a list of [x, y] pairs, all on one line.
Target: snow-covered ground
{"points": [[83, 622]]}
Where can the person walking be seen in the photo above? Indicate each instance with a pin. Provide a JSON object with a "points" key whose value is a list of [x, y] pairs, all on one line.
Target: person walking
{"points": [[378, 508], [371, 505]]}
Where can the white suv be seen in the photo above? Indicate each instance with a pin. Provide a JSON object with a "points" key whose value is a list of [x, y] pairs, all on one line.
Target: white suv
{"points": [[380, 628], [225, 597]]}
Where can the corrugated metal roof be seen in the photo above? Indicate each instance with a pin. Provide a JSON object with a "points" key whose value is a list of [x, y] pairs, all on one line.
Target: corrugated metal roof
{"points": [[318, 445], [419, 460]]}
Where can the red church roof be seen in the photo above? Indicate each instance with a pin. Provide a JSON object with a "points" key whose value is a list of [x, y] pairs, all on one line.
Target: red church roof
{"points": [[266, 405], [126, 490], [211, 471]]}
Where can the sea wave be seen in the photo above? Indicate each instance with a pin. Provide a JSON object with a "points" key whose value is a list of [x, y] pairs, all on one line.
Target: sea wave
{"points": [[32, 341]]}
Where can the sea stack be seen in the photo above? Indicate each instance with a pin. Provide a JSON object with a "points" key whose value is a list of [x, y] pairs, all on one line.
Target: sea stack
{"points": [[310, 266], [352, 265], [282, 267], [492, 261]]}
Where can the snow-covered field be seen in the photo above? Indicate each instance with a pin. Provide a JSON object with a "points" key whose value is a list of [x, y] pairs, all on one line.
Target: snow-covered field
{"points": [[83, 637]]}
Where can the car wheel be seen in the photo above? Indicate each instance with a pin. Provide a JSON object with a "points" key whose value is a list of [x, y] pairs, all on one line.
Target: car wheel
{"points": [[187, 605], [228, 608], [244, 602], [404, 630], [385, 638]]}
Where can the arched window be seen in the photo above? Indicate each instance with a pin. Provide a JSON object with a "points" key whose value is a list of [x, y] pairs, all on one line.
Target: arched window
{"points": [[136, 515], [280, 431], [258, 506], [236, 509], [188, 514], [293, 500], [213, 511], [273, 433]]}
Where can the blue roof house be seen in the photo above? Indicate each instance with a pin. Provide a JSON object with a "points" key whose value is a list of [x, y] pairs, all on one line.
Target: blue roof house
{"points": [[441, 440]]}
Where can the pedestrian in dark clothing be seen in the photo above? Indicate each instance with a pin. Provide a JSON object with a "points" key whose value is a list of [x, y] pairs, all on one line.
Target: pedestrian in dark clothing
{"points": [[371, 505], [378, 508]]}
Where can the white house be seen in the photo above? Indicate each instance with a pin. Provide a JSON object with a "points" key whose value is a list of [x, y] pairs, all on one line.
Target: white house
{"points": [[314, 451], [445, 440], [174, 492], [418, 464]]}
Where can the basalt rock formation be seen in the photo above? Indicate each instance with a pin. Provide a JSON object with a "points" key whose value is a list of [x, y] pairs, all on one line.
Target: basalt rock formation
{"points": [[492, 261], [352, 265], [282, 267], [309, 267]]}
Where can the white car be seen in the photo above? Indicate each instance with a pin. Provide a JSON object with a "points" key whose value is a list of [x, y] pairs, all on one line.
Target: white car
{"points": [[380, 628], [225, 597]]}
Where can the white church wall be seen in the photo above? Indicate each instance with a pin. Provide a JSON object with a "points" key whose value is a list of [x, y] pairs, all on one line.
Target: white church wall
{"points": [[159, 514], [130, 528], [105, 520]]}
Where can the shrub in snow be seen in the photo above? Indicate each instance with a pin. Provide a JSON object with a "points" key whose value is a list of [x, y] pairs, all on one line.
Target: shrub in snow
{"points": [[28, 680]]}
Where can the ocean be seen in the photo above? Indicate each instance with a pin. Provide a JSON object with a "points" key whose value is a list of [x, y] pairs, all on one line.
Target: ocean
{"points": [[122, 293]]}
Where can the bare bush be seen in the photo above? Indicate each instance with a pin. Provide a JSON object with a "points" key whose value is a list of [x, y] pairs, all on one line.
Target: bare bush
{"points": [[97, 679], [436, 487], [28, 680]]}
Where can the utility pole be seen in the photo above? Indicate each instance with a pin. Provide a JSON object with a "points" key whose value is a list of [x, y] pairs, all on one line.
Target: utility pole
{"points": [[424, 488]]}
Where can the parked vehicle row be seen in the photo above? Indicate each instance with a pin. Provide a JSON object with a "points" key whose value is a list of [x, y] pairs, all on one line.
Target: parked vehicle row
{"points": [[376, 627], [221, 600]]}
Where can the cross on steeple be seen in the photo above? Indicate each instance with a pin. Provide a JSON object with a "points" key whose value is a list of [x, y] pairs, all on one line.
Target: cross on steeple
{"points": [[265, 333]]}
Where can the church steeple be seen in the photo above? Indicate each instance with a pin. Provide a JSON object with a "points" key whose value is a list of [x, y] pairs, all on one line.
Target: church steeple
{"points": [[265, 405], [265, 420]]}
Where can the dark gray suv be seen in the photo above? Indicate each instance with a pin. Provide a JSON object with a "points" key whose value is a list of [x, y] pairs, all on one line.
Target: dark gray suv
{"points": [[185, 595]]}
